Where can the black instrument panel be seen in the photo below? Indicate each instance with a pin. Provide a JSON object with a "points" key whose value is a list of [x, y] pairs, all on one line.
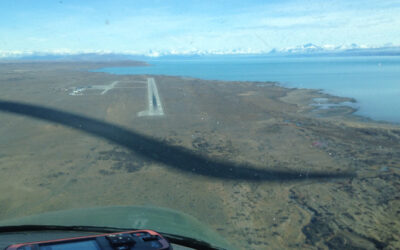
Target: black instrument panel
{"points": [[134, 240]]}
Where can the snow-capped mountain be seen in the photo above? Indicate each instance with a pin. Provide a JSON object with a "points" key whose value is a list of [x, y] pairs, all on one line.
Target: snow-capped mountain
{"points": [[308, 49], [350, 49]]}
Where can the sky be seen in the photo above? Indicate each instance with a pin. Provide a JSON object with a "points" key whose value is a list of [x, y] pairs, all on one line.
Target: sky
{"points": [[215, 26]]}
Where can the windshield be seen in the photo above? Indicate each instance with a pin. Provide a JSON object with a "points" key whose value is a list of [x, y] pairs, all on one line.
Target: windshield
{"points": [[247, 124]]}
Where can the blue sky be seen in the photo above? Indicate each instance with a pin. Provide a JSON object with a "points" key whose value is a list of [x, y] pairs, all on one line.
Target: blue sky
{"points": [[182, 26]]}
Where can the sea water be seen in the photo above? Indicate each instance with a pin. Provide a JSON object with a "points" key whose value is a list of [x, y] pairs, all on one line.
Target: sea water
{"points": [[374, 81]]}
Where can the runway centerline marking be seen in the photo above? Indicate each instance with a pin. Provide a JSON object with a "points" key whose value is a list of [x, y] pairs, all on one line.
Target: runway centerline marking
{"points": [[155, 107]]}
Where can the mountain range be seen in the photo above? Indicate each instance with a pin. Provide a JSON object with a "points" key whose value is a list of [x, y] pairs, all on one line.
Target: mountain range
{"points": [[308, 49]]}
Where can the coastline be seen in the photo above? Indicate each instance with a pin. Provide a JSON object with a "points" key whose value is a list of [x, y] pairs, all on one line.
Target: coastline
{"points": [[372, 81], [338, 106]]}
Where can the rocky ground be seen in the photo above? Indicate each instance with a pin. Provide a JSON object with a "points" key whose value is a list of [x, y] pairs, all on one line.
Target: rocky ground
{"points": [[262, 165]]}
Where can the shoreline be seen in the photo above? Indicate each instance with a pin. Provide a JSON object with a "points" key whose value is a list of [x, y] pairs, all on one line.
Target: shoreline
{"points": [[95, 67], [347, 112], [373, 83]]}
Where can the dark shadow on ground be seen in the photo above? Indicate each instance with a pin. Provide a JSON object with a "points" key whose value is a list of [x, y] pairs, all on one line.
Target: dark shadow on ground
{"points": [[175, 157]]}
